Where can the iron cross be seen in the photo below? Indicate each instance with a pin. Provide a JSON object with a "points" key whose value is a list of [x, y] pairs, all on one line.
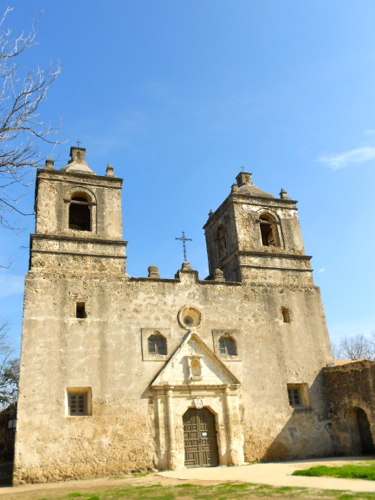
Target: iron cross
{"points": [[184, 240], [78, 142]]}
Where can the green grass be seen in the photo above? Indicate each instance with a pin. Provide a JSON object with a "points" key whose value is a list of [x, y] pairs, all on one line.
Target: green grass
{"points": [[224, 491], [349, 471]]}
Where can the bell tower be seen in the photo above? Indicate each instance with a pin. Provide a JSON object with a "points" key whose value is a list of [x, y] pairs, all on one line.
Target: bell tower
{"points": [[254, 236], [78, 219]]}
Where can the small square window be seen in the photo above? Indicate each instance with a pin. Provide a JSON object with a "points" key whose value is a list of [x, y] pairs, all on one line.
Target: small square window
{"points": [[227, 345], [298, 396], [294, 396], [157, 344], [79, 402], [80, 310], [286, 314]]}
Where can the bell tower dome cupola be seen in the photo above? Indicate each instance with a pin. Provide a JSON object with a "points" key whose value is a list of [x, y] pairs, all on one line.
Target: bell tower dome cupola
{"points": [[77, 162]]}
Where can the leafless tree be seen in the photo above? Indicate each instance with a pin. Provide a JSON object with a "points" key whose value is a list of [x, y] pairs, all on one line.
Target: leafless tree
{"points": [[355, 347], [21, 129], [9, 370], [336, 351]]}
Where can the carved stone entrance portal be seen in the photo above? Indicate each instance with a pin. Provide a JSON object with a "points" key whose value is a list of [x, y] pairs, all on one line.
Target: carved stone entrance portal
{"points": [[200, 438], [197, 410]]}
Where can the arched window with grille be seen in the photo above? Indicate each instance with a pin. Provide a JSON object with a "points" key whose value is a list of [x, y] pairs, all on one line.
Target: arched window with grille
{"points": [[80, 212], [268, 230], [157, 344], [227, 346]]}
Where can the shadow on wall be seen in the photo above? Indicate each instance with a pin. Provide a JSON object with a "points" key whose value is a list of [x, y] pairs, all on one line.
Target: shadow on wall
{"points": [[339, 420], [350, 388], [308, 431], [359, 431]]}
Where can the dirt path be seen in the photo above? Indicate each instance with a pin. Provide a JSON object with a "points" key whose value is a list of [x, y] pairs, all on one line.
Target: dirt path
{"points": [[279, 474], [273, 474]]}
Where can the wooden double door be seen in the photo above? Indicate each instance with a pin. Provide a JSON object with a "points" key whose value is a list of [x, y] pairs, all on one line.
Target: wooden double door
{"points": [[200, 438]]}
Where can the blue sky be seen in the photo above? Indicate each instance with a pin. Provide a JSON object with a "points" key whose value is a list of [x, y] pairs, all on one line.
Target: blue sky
{"points": [[177, 95]]}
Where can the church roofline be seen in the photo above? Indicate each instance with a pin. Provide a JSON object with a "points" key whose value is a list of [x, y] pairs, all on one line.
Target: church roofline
{"points": [[177, 280], [283, 201], [343, 365]]}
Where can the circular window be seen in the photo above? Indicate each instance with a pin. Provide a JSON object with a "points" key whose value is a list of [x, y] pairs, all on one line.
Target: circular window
{"points": [[189, 317], [188, 320]]}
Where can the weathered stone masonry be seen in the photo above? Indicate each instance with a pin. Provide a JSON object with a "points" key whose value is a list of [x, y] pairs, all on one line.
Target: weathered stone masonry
{"points": [[119, 373]]}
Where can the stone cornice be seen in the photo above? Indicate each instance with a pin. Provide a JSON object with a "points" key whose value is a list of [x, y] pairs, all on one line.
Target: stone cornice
{"points": [[35, 236], [278, 255], [77, 176], [264, 255]]}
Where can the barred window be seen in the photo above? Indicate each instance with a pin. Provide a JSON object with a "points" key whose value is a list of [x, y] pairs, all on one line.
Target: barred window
{"points": [[299, 396], [79, 402], [295, 400]]}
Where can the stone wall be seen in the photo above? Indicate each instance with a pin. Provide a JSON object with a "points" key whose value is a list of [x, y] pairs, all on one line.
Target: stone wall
{"points": [[350, 389], [135, 400], [104, 352]]}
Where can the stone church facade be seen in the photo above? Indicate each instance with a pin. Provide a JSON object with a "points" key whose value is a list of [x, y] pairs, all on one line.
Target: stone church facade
{"points": [[120, 374]]}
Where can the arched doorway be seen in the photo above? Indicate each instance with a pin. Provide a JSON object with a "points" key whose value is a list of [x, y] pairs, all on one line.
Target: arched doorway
{"points": [[200, 438], [360, 431]]}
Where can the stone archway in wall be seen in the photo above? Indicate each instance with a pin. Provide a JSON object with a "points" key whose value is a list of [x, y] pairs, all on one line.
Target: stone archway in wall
{"points": [[360, 431]]}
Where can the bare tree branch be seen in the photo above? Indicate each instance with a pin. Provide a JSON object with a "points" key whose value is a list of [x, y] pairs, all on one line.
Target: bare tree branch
{"points": [[336, 351], [9, 369], [21, 129], [355, 347]]}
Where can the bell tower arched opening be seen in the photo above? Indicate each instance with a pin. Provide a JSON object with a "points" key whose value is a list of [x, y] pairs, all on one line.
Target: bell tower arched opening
{"points": [[268, 231], [80, 212]]}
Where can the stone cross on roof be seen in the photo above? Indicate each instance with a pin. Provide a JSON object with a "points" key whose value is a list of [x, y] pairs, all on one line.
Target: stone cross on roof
{"points": [[184, 240]]}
